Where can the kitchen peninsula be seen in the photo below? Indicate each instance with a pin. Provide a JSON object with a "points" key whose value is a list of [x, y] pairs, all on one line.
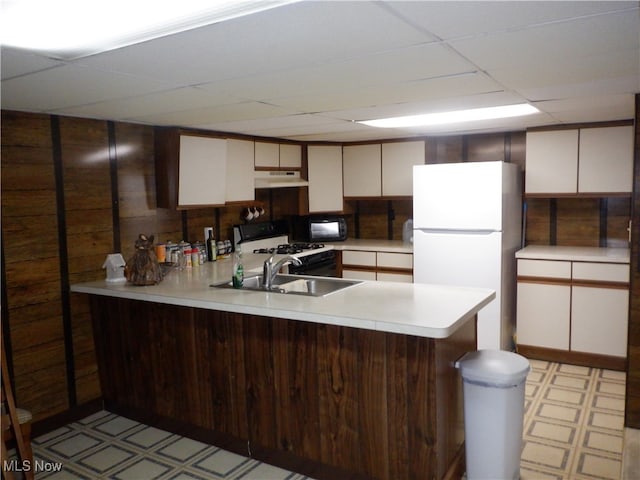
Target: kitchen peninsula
{"points": [[359, 383]]}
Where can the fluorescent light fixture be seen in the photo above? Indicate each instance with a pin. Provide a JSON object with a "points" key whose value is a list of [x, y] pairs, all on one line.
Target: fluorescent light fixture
{"points": [[457, 116], [80, 27]]}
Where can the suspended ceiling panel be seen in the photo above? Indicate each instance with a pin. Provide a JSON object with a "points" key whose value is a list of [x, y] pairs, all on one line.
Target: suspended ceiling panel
{"points": [[306, 70]]}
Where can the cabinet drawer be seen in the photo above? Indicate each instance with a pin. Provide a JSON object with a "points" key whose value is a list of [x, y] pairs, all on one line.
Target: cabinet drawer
{"points": [[394, 277], [359, 274], [395, 260], [605, 272], [355, 257], [544, 268]]}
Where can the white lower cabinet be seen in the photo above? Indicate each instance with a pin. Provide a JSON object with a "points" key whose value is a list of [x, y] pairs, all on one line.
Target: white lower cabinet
{"points": [[381, 266], [544, 323], [599, 320], [585, 311]]}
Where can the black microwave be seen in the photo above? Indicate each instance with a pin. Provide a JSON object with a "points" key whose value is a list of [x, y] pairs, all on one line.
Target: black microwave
{"points": [[331, 229]]}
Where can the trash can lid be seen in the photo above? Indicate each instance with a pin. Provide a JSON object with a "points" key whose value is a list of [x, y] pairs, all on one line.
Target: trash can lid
{"points": [[494, 367]]}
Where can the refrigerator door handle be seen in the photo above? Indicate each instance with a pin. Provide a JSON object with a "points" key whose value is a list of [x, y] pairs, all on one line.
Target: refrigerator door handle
{"points": [[457, 230]]}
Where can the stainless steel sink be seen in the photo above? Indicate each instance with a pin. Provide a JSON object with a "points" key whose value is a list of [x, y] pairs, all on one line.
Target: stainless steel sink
{"points": [[295, 285]]}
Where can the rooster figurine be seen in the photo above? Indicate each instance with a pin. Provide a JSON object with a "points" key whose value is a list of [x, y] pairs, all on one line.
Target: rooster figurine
{"points": [[143, 268]]}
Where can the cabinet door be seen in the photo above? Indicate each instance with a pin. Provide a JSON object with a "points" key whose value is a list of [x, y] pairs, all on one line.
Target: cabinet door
{"points": [[599, 320], [202, 173], [290, 156], [552, 162], [606, 160], [267, 155], [398, 160], [362, 170], [543, 315], [325, 178], [240, 183]]}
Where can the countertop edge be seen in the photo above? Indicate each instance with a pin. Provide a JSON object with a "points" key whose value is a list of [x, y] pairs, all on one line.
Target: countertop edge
{"points": [[453, 320], [575, 254]]}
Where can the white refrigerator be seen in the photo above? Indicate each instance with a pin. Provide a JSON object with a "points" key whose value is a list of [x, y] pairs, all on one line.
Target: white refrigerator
{"points": [[467, 227]]}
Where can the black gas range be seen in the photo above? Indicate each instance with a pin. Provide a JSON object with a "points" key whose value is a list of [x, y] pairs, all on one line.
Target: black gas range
{"points": [[290, 248], [271, 238]]}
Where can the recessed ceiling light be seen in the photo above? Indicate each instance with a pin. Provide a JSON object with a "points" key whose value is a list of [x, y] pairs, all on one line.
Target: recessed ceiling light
{"points": [[457, 116], [70, 28]]}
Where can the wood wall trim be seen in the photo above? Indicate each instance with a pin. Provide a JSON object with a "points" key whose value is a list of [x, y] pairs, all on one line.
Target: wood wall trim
{"points": [[42, 427], [632, 397], [575, 358], [573, 282], [600, 284], [115, 196], [580, 195], [544, 280], [63, 252]]}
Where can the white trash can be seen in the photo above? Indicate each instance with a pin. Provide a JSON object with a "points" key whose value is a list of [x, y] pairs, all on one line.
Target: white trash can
{"points": [[493, 388]]}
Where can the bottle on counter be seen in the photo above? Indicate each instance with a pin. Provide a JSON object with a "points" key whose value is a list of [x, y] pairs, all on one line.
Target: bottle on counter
{"points": [[212, 251], [238, 269], [195, 256]]}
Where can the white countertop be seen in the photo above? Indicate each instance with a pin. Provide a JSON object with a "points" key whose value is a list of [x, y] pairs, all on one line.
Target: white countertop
{"points": [[575, 254], [423, 310]]}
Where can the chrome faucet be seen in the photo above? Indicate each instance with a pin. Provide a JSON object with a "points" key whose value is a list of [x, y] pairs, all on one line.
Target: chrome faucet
{"points": [[270, 270]]}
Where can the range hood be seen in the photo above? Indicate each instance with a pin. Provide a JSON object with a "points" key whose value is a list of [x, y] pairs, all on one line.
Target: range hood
{"points": [[279, 179]]}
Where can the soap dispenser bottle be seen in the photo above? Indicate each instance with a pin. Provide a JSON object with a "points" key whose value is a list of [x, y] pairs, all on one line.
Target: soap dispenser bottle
{"points": [[238, 269]]}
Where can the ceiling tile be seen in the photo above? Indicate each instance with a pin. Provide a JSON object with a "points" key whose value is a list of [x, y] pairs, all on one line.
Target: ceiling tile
{"points": [[447, 19], [176, 100], [287, 37], [19, 62], [215, 114], [562, 45], [71, 85]]}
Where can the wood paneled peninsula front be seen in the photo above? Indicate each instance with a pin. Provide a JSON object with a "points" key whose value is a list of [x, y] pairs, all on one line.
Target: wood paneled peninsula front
{"points": [[358, 384]]}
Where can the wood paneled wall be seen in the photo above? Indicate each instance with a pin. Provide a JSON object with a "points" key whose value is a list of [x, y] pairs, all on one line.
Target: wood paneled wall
{"points": [[74, 190], [632, 410], [585, 222]]}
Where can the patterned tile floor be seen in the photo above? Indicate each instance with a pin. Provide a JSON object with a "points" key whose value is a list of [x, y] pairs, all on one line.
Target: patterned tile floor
{"points": [[107, 446], [573, 429], [574, 423]]}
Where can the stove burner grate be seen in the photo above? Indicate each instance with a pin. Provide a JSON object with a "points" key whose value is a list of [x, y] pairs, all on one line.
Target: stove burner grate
{"points": [[289, 248]]}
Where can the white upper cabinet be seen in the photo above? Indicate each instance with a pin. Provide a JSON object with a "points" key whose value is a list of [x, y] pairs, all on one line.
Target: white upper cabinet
{"points": [[240, 183], [606, 160], [362, 167], [290, 156], [202, 171], [267, 155], [398, 160], [325, 178], [585, 161], [552, 162], [274, 155]]}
